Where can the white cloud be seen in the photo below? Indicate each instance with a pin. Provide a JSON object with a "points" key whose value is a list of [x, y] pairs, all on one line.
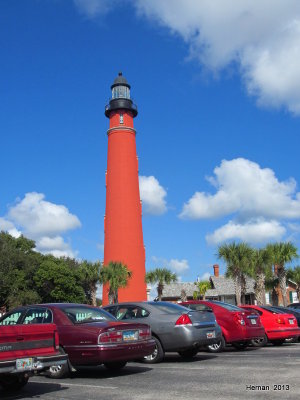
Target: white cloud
{"points": [[39, 218], [179, 266], [245, 188], [259, 205], [261, 37], [8, 226], [92, 8], [256, 232], [43, 222], [152, 195]]}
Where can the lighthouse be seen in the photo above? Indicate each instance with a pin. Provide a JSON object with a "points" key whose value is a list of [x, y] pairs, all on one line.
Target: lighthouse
{"points": [[123, 232]]}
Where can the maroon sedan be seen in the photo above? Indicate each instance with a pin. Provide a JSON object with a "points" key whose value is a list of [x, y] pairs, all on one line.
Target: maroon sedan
{"points": [[89, 335], [238, 326]]}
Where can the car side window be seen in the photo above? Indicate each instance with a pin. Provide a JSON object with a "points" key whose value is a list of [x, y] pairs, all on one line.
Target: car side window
{"points": [[131, 312], [12, 318], [111, 310], [38, 316]]}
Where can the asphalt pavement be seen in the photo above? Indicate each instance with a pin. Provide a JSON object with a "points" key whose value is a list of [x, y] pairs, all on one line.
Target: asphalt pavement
{"points": [[265, 373]]}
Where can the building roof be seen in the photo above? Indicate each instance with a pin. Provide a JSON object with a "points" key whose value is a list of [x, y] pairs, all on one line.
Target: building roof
{"points": [[222, 286]]}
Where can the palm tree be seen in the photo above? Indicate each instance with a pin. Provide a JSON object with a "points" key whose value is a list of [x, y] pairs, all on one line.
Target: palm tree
{"points": [[262, 268], [294, 275], [238, 259], [161, 276], [89, 273], [203, 287], [282, 253], [116, 275]]}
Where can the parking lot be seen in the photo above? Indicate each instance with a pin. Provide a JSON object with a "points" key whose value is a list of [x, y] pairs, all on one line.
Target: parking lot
{"points": [[265, 373]]}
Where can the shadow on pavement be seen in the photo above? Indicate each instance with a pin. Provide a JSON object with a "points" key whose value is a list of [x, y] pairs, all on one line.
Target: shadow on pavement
{"points": [[33, 390]]}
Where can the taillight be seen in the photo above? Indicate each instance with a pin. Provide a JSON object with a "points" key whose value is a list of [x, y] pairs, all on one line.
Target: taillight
{"points": [[145, 333], [239, 319], [110, 337], [280, 321], [56, 339], [184, 319]]}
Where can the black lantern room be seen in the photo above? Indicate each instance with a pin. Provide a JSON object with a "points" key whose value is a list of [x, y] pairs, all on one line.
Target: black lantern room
{"points": [[120, 97]]}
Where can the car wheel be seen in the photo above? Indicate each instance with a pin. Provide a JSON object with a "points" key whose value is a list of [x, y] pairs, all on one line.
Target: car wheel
{"points": [[217, 347], [259, 342], [157, 355], [115, 366], [240, 345], [13, 383], [277, 342], [190, 353], [59, 371]]}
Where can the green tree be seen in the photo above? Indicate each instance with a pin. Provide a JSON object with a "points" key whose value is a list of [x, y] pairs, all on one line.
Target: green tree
{"points": [[237, 257], [282, 253], [18, 263], [294, 275], [202, 287], [57, 282], [116, 275], [161, 276], [90, 276], [262, 268]]}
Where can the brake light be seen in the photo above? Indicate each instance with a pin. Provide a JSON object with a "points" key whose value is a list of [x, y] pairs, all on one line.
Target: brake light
{"points": [[110, 337], [184, 319], [280, 321], [56, 340], [239, 319], [145, 333]]}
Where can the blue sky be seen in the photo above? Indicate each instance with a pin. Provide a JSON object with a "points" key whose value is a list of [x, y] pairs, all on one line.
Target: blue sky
{"points": [[218, 92]]}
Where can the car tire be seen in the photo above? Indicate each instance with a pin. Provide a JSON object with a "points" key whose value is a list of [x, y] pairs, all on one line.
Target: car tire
{"points": [[190, 353], [240, 345], [157, 355], [260, 342], [59, 371], [277, 342], [217, 347], [115, 366], [12, 383]]}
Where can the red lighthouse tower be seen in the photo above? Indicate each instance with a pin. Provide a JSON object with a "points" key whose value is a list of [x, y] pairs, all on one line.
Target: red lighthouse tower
{"points": [[123, 233]]}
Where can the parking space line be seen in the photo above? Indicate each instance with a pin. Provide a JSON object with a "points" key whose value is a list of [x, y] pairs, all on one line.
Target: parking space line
{"points": [[73, 384]]}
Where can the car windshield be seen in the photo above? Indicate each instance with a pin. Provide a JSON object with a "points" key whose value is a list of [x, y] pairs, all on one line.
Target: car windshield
{"points": [[82, 315], [169, 308], [229, 307]]}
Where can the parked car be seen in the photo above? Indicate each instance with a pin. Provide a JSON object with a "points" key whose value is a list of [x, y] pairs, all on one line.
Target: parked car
{"points": [[296, 314], [278, 325], [238, 326], [25, 350], [174, 327], [89, 335], [294, 305]]}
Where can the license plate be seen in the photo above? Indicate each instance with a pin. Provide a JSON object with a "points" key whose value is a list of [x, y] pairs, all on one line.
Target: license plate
{"points": [[23, 364], [129, 336], [211, 335], [253, 321], [291, 321]]}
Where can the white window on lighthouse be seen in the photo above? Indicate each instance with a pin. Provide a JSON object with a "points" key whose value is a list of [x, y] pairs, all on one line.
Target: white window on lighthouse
{"points": [[121, 119]]}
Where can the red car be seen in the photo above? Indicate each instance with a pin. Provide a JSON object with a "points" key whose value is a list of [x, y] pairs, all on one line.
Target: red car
{"points": [[238, 326], [89, 335], [278, 325]]}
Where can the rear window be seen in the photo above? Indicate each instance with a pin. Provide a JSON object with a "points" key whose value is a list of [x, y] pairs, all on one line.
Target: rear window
{"points": [[82, 315], [168, 308], [198, 307], [273, 310], [227, 306]]}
